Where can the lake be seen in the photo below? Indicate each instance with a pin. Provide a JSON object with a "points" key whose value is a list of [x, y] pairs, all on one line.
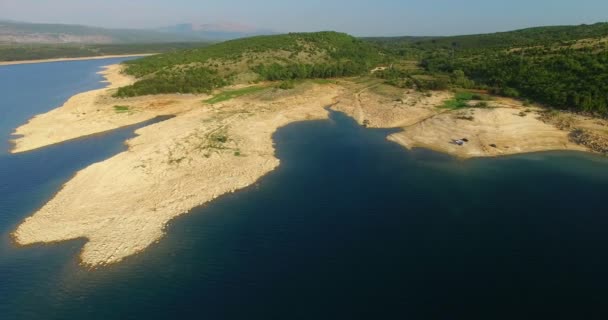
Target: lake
{"points": [[349, 226]]}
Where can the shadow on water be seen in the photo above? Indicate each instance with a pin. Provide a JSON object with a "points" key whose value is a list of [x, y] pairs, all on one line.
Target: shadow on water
{"points": [[353, 226]]}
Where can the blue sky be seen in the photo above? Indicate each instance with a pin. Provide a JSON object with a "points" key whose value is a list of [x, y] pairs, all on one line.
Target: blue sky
{"points": [[358, 17]]}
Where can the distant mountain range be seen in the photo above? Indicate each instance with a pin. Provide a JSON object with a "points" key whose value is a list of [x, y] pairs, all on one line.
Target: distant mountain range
{"points": [[216, 32], [38, 33]]}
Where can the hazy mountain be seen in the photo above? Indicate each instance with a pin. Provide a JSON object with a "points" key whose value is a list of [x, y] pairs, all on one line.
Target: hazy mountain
{"points": [[224, 31], [22, 32]]}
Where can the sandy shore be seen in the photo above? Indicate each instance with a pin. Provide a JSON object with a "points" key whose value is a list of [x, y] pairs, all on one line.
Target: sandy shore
{"points": [[492, 132], [505, 127], [122, 205], [95, 111], [9, 63]]}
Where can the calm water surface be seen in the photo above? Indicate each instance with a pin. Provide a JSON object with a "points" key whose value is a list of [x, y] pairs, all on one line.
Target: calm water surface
{"points": [[349, 226]]}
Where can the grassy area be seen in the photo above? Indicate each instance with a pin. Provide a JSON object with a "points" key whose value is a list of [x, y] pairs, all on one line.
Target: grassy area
{"points": [[122, 109], [231, 94], [461, 100], [388, 91]]}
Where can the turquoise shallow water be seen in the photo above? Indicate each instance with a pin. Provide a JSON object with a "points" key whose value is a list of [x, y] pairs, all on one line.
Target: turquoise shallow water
{"points": [[349, 226]]}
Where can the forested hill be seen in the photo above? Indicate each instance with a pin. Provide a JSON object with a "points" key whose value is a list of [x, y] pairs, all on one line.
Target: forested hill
{"points": [[33, 41], [552, 35], [277, 57], [564, 67]]}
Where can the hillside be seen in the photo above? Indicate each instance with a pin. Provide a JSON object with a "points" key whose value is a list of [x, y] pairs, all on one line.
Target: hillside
{"points": [[278, 57], [20, 52], [550, 35], [564, 66], [37, 33]]}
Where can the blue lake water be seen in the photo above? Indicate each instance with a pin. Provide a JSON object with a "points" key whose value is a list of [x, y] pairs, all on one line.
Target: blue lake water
{"points": [[349, 226]]}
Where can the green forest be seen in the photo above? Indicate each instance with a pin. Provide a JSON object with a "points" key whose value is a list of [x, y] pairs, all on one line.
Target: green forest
{"points": [[190, 80], [562, 67], [278, 57]]}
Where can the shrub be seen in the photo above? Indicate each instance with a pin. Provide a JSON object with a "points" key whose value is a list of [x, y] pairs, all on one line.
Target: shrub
{"points": [[121, 109], [468, 118], [286, 85]]}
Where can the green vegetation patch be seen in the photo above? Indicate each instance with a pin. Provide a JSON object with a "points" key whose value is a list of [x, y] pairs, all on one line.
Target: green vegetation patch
{"points": [[422, 81], [218, 138], [461, 100], [455, 104], [340, 47], [563, 67], [122, 109], [218, 141], [389, 91], [287, 84], [191, 80], [293, 56], [231, 94]]}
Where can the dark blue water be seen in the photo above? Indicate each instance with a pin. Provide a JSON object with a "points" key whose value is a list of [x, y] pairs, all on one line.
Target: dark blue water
{"points": [[349, 226], [29, 89]]}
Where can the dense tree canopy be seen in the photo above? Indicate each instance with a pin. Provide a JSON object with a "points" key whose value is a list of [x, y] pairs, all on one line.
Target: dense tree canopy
{"points": [[191, 80], [563, 67], [279, 57]]}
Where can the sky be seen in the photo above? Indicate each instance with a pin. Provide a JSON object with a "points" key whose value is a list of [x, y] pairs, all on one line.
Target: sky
{"points": [[357, 17]]}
